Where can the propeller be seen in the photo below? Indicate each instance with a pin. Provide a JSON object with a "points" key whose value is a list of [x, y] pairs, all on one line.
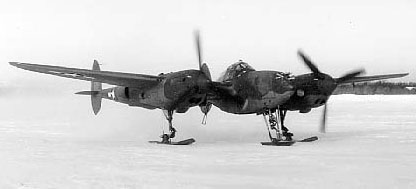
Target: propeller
{"points": [[198, 48], [202, 66], [205, 105], [328, 83], [322, 129], [349, 76], [309, 63]]}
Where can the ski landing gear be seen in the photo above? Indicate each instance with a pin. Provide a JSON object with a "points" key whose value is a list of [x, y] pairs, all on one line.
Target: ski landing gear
{"points": [[283, 137], [275, 122], [166, 138]]}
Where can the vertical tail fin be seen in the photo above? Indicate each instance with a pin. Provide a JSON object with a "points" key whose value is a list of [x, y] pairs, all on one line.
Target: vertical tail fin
{"points": [[96, 86]]}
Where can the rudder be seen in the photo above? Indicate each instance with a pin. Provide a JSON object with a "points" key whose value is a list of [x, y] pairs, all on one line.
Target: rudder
{"points": [[96, 86]]}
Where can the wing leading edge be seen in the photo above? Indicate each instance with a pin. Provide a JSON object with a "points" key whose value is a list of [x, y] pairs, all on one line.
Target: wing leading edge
{"points": [[113, 78], [372, 78]]}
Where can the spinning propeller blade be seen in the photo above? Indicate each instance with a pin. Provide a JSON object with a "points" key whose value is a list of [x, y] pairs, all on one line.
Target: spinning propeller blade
{"points": [[309, 63], [205, 106], [202, 66], [349, 76], [323, 121], [198, 47]]}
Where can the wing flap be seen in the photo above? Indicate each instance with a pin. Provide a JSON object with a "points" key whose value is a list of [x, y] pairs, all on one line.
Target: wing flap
{"points": [[140, 81]]}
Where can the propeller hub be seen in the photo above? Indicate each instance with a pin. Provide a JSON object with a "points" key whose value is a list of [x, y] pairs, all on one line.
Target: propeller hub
{"points": [[327, 85]]}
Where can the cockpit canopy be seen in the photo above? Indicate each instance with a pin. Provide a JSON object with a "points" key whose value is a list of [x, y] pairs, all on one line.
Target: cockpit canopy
{"points": [[235, 70]]}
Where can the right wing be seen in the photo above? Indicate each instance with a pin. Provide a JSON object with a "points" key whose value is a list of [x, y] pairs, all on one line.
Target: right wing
{"points": [[372, 78], [113, 78]]}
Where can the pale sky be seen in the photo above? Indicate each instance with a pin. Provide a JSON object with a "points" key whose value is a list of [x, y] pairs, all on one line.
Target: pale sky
{"points": [[150, 37]]}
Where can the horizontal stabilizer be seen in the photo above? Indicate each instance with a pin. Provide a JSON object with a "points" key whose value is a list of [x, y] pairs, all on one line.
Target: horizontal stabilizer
{"points": [[88, 93]]}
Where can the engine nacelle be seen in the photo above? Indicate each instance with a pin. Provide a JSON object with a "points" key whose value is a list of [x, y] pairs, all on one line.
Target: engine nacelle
{"points": [[121, 94]]}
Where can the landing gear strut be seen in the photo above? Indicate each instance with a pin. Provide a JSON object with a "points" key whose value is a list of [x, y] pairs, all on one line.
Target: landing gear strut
{"points": [[275, 121], [166, 137]]}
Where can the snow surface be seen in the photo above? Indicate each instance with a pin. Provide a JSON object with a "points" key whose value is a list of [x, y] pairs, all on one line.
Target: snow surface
{"points": [[58, 143]]}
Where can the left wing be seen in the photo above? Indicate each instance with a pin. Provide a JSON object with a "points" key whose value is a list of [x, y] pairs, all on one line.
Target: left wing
{"points": [[372, 78], [113, 78]]}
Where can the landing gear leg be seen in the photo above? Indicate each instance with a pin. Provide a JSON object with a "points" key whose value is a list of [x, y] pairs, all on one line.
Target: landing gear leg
{"points": [[275, 121], [270, 119], [285, 130], [166, 138]]}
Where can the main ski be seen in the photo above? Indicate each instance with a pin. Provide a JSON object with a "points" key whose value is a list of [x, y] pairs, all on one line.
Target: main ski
{"points": [[279, 143], [182, 142], [288, 143], [310, 139]]}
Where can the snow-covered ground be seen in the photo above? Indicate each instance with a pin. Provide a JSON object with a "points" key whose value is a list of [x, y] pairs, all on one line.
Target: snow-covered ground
{"points": [[58, 143]]}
